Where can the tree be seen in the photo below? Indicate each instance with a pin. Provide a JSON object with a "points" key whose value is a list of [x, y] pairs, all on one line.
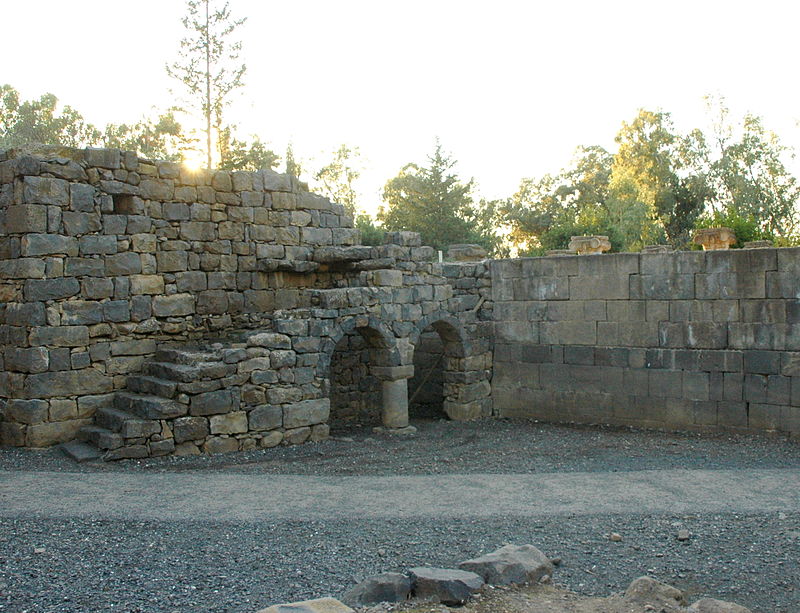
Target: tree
{"points": [[160, 140], [433, 201], [750, 177], [40, 121], [659, 172], [235, 154], [540, 204], [337, 179], [293, 165], [209, 68]]}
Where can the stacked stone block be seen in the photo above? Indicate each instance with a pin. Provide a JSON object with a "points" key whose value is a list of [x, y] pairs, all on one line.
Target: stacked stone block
{"points": [[687, 339], [106, 257]]}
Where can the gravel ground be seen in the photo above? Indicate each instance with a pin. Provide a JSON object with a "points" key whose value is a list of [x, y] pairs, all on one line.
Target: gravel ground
{"points": [[86, 566], [488, 446]]}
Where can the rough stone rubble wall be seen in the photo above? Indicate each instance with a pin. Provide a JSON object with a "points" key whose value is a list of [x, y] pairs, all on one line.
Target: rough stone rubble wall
{"points": [[105, 257], [688, 339]]}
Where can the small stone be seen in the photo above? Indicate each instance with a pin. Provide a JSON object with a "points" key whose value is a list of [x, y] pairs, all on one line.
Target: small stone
{"points": [[445, 585], [710, 605], [615, 537], [646, 590], [387, 587], [683, 535]]}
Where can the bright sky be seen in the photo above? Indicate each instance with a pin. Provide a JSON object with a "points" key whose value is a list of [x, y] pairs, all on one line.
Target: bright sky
{"points": [[511, 87]]}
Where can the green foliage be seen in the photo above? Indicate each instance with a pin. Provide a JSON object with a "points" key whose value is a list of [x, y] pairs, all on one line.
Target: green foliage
{"points": [[750, 176], [661, 170], [433, 201], [538, 204], [209, 68], [559, 235], [41, 121], [746, 228], [160, 140], [337, 179], [235, 154], [370, 233], [293, 165]]}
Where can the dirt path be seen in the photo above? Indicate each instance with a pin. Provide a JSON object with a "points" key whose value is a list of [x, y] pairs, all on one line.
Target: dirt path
{"points": [[243, 497]]}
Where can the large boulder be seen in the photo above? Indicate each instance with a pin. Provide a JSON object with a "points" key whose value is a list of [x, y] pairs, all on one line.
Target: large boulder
{"points": [[510, 564], [320, 605], [445, 585], [646, 590], [710, 605], [387, 587]]}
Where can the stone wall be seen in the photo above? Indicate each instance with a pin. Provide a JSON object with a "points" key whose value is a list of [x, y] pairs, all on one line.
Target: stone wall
{"points": [[677, 340], [107, 258]]}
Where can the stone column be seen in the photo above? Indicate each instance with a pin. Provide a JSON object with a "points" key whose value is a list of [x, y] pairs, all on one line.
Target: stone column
{"points": [[394, 384], [395, 404]]}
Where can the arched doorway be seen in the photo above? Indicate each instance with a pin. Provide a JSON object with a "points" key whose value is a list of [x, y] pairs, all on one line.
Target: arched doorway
{"points": [[363, 376], [440, 375], [426, 387]]}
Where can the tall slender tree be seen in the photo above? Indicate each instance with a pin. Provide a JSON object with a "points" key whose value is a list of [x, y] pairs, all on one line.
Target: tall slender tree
{"points": [[209, 67], [337, 178]]}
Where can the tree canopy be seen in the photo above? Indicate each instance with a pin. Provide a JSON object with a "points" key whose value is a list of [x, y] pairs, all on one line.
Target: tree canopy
{"points": [[658, 186], [435, 202]]}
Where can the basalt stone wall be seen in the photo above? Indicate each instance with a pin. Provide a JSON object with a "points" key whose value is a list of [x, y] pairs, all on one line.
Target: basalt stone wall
{"points": [[106, 257], [103, 254], [355, 392], [678, 340]]}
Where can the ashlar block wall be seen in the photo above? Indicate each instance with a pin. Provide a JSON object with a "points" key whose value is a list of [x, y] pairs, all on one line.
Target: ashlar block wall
{"points": [[678, 340]]}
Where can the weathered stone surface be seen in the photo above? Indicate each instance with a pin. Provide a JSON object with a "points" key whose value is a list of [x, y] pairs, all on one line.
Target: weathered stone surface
{"points": [[67, 383], [48, 434], [646, 590], [42, 190], [218, 444], [386, 587], [319, 605], [265, 417], [510, 564], [306, 413], [229, 423], [270, 340], [213, 403], [466, 253], [173, 306], [190, 429], [26, 218], [51, 289], [26, 411], [27, 360], [710, 605], [48, 244], [448, 586], [713, 239]]}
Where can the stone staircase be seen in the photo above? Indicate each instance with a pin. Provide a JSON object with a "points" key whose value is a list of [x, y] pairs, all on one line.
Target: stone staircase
{"points": [[137, 425]]}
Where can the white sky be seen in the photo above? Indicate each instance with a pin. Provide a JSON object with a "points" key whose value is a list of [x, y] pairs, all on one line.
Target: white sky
{"points": [[510, 87]]}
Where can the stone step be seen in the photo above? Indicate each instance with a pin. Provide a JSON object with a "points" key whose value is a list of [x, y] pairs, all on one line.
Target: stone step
{"points": [[184, 373], [127, 424], [184, 356], [152, 385], [102, 438], [149, 407], [81, 452]]}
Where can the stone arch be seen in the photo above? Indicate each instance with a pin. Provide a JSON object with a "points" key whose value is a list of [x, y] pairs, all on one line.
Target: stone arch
{"points": [[445, 380], [383, 364], [450, 329]]}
